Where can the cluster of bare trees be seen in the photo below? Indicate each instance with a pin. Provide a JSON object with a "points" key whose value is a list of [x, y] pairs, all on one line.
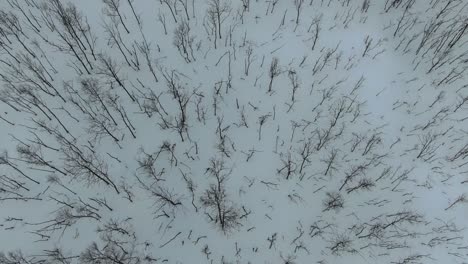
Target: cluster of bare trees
{"points": [[216, 14], [104, 118]]}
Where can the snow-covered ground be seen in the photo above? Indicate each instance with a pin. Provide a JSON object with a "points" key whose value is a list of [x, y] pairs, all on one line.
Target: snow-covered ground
{"points": [[217, 131]]}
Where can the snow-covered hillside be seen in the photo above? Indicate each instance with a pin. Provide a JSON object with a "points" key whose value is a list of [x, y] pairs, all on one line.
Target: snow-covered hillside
{"points": [[243, 131]]}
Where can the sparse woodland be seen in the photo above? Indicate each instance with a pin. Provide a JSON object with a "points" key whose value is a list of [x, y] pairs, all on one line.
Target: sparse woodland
{"points": [[243, 131]]}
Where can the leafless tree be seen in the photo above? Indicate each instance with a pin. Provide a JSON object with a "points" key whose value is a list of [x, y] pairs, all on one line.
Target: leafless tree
{"points": [[462, 153], [305, 151], [118, 244], [331, 161], [166, 201], [294, 79], [115, 40], [271, 240], [273, 4], [221, 10], [372, 142], [11, 26], [162, 19], [428, 146], [145, 49], [56, 255], [211, 25], [273, 72], [14, 189], [191, 186], [220, 209], [33, 155], [341, 244], [225, 144], [333, 201], [68, 214], [72, 30], [201, 109], [184, 4], [15, 257], [25, 97], [460, 199], [113, 10], [115, 103], [95, 94], [298, 6], [183, 40], [323, 137], [110, 69], [6, 160], [249, 58], [261, 121], [354, 172], [85, 165], [171, 4], [363, 184], [402, 217], [137, 17], [243, 119], [101, 126], [54, 179], [37, 74], [31, 21], [288, 168], [148, 167], [316, 24], [182, 98]]}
